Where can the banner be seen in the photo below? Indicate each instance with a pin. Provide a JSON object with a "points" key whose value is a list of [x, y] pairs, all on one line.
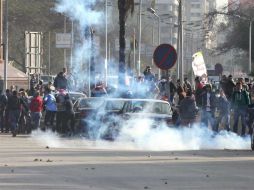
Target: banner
{"points": [[198, 65]]}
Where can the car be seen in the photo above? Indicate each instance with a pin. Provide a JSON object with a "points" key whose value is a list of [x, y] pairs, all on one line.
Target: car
{"points": [[47, 78], [73, 95], [115, 113], [84, 109]]}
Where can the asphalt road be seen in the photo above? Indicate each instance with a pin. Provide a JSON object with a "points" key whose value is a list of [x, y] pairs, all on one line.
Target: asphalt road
{"points": [[27, 164]]}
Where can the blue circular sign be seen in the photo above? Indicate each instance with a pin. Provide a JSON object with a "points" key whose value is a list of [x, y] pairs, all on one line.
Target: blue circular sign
{"points": [[165, 56]]}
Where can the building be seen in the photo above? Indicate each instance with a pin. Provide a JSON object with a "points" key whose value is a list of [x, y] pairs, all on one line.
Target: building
{"points": [[197, 36], [235, 4]]}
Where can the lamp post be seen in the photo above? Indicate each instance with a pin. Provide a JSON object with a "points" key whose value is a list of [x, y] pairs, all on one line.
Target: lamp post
{"points": [[250, 31], [106, 42], [6, 44], [151, 10], [139, 39]]}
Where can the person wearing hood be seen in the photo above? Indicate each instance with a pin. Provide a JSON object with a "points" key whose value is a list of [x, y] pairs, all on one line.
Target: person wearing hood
{"points": [[188, 109]]}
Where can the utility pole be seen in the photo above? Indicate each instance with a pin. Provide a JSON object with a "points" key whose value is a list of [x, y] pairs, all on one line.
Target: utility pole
{"points": [[182, 43], [6, 44], [106, 42], [49, 61], [179, 38], [250, 31], [139, 39], [65, 65]]}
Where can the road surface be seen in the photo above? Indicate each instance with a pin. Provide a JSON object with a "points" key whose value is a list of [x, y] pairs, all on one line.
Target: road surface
{"points": [[27, 164]]}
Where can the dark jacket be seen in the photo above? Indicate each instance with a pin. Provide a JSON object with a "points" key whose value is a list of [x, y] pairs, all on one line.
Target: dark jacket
{"points": [[240, 99], [223, 105], [14, 103], [69, 106], [60, 82], [188, 108]]}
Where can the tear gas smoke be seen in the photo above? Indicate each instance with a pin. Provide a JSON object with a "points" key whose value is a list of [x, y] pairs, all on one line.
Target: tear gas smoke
{"points": [[82, 13], [138, 134], [135, 133]]}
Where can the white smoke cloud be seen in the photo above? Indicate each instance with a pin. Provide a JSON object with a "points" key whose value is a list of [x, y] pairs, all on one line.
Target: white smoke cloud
{"points": [[85, 17], [135, 133], [140, 136]]}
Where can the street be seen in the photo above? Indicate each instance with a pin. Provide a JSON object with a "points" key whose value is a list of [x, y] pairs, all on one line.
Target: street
{"points": [[28, 163]]}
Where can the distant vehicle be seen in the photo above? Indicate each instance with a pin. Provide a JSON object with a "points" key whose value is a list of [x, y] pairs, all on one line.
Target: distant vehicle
{"points": [[47, 78]]}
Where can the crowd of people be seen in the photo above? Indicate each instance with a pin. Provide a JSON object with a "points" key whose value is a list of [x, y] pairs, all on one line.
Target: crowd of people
{"points": [[21, 111], [209, 105], [214, 106]]}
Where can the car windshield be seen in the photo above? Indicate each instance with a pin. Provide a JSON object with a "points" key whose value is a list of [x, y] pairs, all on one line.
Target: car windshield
{"points": [[150, 107], [74, 97], [115, 105], [90, 103], [46, 78]]}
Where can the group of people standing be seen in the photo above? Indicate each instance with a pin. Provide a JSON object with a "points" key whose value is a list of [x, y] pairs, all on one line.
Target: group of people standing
{"points": [[21, 111], [216, 105]]}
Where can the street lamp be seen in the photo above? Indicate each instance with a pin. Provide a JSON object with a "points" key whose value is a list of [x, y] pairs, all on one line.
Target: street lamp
{"points": [[250, 31], [151, 10], [139, 38], [6, 44]]}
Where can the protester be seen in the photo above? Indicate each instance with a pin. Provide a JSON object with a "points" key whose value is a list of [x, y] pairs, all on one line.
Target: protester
{"points": [[149, 76], [60, 110], [3, 104], [240, 101], [60, 81], [14, 109], [180, 91], [49, 101], [229, 88], [188, 109], [199, 89], [23, 125], [36, 107], [223, 106], [187, 85], [99, 90], [69, 124], [208, 107]]}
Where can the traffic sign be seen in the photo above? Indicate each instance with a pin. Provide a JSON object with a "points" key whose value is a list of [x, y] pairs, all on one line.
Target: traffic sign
{"points": [[165, 56]]}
